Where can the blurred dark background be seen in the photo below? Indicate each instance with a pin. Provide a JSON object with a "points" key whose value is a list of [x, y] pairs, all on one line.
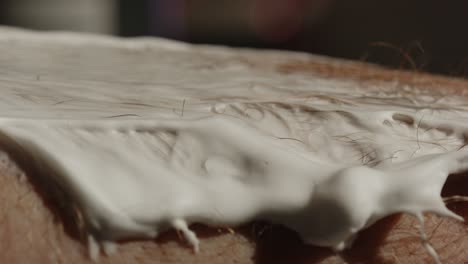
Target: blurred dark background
{"points": [[418, 35]]}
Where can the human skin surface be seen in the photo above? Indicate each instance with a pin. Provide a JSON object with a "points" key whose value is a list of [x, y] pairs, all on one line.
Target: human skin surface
{"points": [[38, 227]]}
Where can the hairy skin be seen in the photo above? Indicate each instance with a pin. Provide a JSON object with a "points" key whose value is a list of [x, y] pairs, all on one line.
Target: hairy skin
{"points": [[36, 228]]}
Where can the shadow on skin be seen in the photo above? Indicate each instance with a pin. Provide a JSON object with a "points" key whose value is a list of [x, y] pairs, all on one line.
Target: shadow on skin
{"points": [[366, 247], [280, 245], [277, 244], [457, 184]]}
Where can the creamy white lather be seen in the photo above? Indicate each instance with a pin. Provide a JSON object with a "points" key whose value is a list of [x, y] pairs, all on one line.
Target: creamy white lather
{"points": [[150, 134]]}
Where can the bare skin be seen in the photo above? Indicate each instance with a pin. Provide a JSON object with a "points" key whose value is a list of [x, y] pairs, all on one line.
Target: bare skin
{"points": [[35, 229]]}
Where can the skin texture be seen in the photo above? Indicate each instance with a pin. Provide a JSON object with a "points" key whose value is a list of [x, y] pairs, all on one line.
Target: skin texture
{"points": [[39, 226]]}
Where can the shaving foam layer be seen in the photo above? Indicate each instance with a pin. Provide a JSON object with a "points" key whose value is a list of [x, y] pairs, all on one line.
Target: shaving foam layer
{"points": [[222, 139]]}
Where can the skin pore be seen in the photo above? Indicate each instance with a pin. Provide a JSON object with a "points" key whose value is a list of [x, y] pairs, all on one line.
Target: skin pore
{"points": [[36, 226]]}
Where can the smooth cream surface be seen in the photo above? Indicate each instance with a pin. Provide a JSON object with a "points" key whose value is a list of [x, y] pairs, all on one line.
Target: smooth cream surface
{"points": [[150, 134]]}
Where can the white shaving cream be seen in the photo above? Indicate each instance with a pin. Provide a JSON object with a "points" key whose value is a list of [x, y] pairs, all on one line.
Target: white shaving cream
{"points": [[149, 134]]}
